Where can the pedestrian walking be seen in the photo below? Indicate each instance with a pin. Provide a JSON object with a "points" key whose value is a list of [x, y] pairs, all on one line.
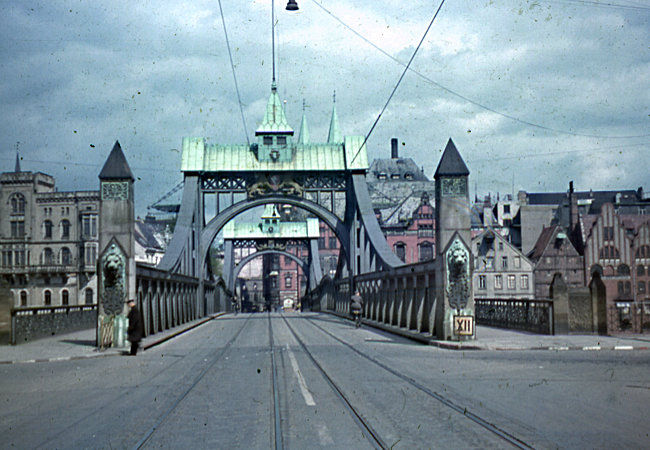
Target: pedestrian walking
{"points": [[356, 306], [134, 332]]}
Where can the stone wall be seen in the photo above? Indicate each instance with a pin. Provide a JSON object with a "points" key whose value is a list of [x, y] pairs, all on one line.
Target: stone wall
{"points": [[28, 324], [580, 310]]}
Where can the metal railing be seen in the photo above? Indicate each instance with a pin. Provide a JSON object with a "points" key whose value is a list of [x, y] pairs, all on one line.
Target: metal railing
{"points": [[33, 322], [517, 314], [629, 317]]}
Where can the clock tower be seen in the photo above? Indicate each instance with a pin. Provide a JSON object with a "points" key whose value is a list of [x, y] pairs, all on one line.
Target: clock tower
{"points": [[454, 295]]}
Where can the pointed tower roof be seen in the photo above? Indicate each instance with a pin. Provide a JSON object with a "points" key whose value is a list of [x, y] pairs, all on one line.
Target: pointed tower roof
{"points": [[334, 136], [17, 169], [451, 162], [274, 122], [270, 212], [303, 137], [116, 166]]}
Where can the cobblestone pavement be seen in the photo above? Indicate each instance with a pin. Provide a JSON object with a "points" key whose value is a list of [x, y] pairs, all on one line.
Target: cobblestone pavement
{"points": [[81, 344]]}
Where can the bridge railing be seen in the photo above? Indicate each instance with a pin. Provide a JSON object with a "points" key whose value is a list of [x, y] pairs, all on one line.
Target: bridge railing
{"points": [[167, 300], [517, 314], [403, 297], [34, 322]]}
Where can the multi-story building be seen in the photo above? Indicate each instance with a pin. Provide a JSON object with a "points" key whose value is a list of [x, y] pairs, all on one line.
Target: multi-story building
{"points": [[48, 241], [500, 269]]}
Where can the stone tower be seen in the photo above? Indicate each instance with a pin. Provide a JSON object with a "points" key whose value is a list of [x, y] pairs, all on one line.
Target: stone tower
{"points": [[455, 298], [116, 261]]}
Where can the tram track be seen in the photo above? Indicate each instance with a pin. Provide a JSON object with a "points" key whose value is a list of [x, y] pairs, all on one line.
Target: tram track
{"points": [[446, 401]]}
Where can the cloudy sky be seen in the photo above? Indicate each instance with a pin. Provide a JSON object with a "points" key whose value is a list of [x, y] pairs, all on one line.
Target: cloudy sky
{"points": [[533, 93]]}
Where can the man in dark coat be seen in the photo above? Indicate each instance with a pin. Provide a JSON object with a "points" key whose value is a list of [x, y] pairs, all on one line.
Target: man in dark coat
{"points": [[356, 306], [134, 332]]}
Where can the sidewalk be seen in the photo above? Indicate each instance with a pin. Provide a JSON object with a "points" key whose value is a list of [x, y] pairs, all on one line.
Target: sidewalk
{"points": [[81, 345]]}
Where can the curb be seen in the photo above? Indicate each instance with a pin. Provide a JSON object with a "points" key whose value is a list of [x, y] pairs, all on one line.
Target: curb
{"points": [[104, 354]]}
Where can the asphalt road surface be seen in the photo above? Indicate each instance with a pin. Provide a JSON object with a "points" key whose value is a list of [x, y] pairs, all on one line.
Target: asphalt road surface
{"points": [[311, 380]]}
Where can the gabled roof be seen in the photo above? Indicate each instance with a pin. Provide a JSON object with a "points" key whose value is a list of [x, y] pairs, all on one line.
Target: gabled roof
{"points": [[274, 119], [542, 242], [116, 167], [451, 163]]}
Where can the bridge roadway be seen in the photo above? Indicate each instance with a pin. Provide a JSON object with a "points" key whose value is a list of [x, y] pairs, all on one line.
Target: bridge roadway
{"points": [[334, 386]]}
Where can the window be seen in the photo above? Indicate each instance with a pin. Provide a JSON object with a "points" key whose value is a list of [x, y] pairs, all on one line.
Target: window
{"points": [[482, 284], [65, 297], [268, 140], [23, 298], [89, 224], [517, 262], [500, 245], [17, 228], [426, 251], [506, 209], [640, 270], [332, 242], [47, 298], [524, 282], [504, 262], [282, 140], [498, 282], [608, 233], [287, 281], [47, 229], [489, 263], [641, 287], [6, 258], [400, 251], [90, 254], [321, 242], [65, 229], [512, 281], [17, 203], [48, 256], [89, 296], [66, 256], [19, 258], [623, 270]]}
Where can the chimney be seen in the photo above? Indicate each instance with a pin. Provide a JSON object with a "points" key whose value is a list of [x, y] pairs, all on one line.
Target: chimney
{"points": [[393, 148], [573, 207]]}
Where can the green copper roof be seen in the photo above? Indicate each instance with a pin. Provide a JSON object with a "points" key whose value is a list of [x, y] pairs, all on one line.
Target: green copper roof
{"points": [[197, 156], [284, 230], [334, 136], [274, 119], [303, 137]]}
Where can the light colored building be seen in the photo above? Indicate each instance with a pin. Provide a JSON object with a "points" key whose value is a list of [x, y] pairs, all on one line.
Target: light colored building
{"points": [[48, 241], [500, 269]]}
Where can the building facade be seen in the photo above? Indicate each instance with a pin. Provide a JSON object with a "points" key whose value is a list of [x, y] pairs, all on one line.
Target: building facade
{"points": [[48, 241]]}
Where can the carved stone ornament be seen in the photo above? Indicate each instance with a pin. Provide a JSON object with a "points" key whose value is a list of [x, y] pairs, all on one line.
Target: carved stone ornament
{"points": [[458, 276], [113, 286], [115, 190], [273, 185]]}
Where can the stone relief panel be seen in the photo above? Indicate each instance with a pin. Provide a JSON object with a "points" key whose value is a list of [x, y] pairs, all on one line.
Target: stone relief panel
{"points": [[113, 286], [458, 274]]}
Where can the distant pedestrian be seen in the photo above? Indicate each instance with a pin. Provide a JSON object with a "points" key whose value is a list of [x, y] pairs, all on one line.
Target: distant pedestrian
{"points": [[356, 306], [134, 332]]}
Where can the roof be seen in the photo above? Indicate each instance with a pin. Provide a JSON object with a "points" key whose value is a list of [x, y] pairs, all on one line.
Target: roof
{"points": [[274, 119], [542, 242], [116, 167], [334, 136], [451, 163], [198, 156], [399, 169]]}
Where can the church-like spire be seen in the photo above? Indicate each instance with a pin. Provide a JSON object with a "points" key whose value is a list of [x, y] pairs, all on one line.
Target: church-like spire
{"points": [[303, 137], [334, 136], [17, 169], [274, 119]]}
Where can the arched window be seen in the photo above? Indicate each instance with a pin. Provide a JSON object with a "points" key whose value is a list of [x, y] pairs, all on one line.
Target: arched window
{"points": [[48, 256], [47, 229], [65, 297], [47, 298], [623, 269], [640, 270], [400, 251], [66, 256], [65, 229], [17, 202], [23, 298], [426, 251], [89, 296]]}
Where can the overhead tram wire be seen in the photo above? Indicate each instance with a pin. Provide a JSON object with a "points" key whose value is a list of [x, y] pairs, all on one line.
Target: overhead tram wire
{"points": [[234, 75], [467, 99], [399, 81]]}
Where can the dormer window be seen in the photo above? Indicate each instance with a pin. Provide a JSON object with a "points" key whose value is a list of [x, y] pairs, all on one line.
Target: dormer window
{"points": [[282, 140], [381, 176], [268, 140]]}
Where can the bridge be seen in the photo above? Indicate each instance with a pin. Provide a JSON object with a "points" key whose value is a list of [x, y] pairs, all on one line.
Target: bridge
{"points": [[326, 181]]}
